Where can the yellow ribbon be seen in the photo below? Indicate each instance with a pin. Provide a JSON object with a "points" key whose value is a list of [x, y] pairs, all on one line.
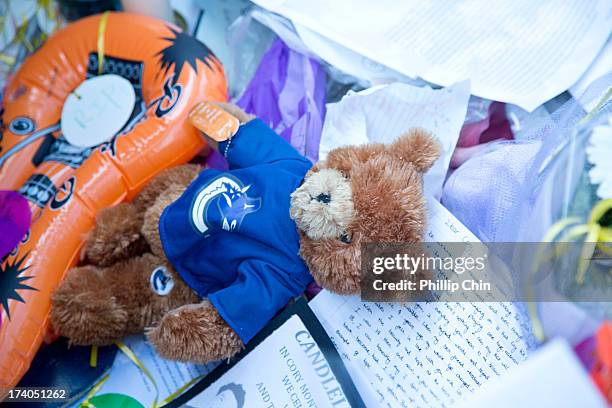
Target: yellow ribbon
{"points": [[93, 357], [132, 356], [7, 59], [180, 390], [594, 232], [597, 107], [596, 236], [20, 36], [101, 31], [47, 5], [94, 390]]}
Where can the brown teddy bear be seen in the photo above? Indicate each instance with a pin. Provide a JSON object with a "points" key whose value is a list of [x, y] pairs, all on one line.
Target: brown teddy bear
{"points": [[202, 259]]}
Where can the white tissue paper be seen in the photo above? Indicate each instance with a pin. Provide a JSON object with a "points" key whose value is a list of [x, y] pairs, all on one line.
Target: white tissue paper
{"points": [[383, 113]]}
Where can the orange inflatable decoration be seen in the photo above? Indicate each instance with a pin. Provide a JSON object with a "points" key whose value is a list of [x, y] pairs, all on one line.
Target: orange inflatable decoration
{"points": [[66, 185]]}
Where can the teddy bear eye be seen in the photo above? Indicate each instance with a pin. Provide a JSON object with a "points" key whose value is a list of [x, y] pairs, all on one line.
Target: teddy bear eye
{"points": [[346, 238]]}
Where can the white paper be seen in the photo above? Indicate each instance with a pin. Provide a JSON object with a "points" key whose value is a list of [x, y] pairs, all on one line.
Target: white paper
{"points": [[523, 52], [349, 61], [283, 371], [600, 67], [424, 354], [97, 109], [383, 113], [342, 60], [127, 379], [551, 378]]}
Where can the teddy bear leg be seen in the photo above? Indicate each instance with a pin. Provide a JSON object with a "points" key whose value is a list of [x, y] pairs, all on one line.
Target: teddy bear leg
{"points": [[150, 226], [116, 235], [95, 305], [195, 333], [84, 309]]}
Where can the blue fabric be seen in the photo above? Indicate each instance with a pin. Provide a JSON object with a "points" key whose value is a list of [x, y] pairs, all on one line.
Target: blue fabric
{"points": [[230, 236]]}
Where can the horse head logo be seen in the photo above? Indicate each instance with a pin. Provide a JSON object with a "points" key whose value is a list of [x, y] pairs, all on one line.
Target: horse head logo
{"points": [[236, 204]]}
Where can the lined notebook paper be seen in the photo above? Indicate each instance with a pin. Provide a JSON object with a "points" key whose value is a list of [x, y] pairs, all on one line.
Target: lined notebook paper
{"points": [[424, 354]]}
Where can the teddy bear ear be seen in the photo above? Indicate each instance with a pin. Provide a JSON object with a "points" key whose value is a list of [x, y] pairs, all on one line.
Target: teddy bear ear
{"points": [[346, 157], [417, 146]]}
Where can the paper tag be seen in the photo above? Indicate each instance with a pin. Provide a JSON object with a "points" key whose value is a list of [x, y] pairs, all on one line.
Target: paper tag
{"points": [[97, 109], [213, 121]]}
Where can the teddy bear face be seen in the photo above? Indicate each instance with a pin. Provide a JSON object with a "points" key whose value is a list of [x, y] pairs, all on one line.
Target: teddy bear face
{"points": [[379, 200], [323, 205], [365, 194]]}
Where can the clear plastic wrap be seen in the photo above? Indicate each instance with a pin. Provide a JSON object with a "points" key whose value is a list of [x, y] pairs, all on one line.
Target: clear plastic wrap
{"points": [[557, 183], [556, 202], [248, 40]]}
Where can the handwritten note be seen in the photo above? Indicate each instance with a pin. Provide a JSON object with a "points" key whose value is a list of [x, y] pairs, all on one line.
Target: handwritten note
{"points": [[424, 354], [520, 52], [551, 377], [97, 109]]}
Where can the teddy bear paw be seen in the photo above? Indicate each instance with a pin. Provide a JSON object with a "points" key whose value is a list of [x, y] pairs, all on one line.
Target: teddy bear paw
{"points": [[194, 333], [116, 235], [83, 310]]}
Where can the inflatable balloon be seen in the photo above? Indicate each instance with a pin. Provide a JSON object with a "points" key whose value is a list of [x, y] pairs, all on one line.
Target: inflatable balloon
{"points": [[67, 184]]}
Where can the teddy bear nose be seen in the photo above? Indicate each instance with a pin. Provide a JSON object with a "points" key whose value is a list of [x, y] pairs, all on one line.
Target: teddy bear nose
{"points": [[323, 198]]}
